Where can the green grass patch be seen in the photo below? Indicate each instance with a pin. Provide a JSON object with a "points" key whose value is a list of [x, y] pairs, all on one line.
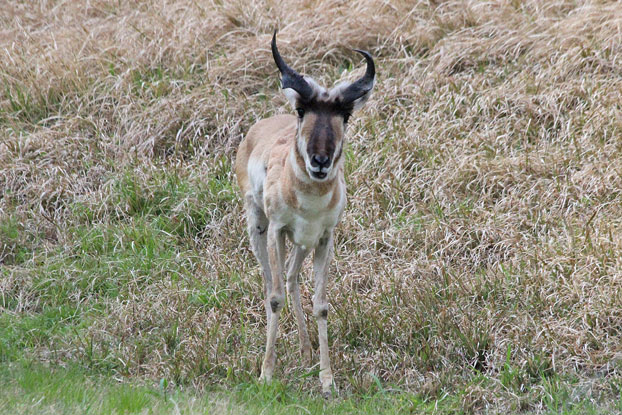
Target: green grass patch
{"points": [[179, 206], [28, 331], [37, 389], [104, 259], [34, 388], [16, 242]]}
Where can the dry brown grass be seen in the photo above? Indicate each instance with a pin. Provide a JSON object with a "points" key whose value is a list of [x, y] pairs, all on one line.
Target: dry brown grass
{"points": [[483, 233]]}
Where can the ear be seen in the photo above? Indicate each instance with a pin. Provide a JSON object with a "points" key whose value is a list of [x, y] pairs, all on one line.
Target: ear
{"points": [[339, 91], [292, 96], [358, 92], [359, 103], [295, 98]]}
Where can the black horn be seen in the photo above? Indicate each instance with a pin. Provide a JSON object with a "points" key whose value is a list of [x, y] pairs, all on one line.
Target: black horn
{"points": [[289, 77], [363, 85]]}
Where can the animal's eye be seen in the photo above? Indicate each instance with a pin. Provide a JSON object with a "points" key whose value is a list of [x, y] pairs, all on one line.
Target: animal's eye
{"points": [[346, 117], [301, 112]]}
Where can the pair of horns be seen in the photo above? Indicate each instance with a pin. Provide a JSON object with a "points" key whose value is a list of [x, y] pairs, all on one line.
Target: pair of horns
{"points": [[292, 79]]}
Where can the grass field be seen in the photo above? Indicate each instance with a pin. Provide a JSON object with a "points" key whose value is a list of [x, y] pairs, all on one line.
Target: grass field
{"points": [[478, 265]]}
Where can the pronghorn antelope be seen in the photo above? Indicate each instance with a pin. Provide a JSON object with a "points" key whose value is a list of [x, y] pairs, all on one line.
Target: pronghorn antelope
{"points": [[290, 172]]}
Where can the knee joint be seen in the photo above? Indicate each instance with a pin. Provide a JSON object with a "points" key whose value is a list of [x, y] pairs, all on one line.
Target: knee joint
{"points": [[276, 303], [320, 310]]}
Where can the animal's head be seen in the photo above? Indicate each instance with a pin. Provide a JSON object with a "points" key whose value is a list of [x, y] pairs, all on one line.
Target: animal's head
{"points": [[322, 113]]}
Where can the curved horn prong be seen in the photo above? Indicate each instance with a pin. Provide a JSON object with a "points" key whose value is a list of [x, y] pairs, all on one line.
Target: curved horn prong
{"points": [[363, 85], [289, 77]]}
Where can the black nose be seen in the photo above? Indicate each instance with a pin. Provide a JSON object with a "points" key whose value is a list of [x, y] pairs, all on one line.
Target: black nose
{"points": [[320, 161]]}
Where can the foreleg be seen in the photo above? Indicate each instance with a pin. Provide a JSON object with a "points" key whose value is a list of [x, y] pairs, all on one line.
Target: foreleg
{"points": [[321, 260], [276, 297], [258, 235], [293, 288]]}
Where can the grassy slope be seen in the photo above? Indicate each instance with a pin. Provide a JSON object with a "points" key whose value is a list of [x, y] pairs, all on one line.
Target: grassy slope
{"points": [[478, 262]]}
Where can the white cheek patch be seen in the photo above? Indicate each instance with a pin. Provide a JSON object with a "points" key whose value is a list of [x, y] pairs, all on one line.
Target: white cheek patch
{"points": [[302, 149], [338, 151], [298, 172]]}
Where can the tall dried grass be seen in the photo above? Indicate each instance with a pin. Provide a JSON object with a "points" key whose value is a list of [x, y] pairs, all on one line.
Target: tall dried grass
{"points": [[483, 231]]}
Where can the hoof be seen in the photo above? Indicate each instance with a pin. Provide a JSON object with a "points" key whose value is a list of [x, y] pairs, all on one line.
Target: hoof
{"points": [[265, 378], [330, 393], [329, 389]]}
